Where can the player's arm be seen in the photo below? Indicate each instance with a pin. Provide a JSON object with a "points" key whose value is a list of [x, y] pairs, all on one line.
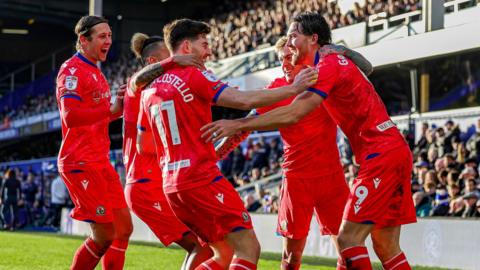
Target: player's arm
{"points": [[74, 115], [277, 118], [250, 99], [116, 109], [360, 61], [147, 74], [227, 144]]}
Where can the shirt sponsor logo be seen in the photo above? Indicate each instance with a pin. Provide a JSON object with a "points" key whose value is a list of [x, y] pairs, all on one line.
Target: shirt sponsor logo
{"points": [[71, 82], [385, 125]]}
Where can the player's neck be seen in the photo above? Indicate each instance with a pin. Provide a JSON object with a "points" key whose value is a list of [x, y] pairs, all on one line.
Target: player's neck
{"points": [[309, 59], [89, 57]]}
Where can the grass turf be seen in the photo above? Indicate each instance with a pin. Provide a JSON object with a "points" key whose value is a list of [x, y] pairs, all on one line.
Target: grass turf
{"points": [[26, 251]]}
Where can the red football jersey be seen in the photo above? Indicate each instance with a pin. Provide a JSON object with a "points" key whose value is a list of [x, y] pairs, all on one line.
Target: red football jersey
{"points": [[310, 146], [352, 102], [87, 145], [176, 109], [138, 167]]}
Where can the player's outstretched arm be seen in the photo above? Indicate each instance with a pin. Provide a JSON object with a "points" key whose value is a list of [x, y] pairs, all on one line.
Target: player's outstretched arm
{"points": [[250, 99], [227, 144], [362, 63], [147, 74], [277, 118]]}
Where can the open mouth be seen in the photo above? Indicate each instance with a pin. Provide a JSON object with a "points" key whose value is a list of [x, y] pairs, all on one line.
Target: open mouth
{"points": [[104, 50]]}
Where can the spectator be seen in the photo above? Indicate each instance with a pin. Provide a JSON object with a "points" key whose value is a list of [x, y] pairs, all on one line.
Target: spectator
{"points": [[59, 198], [10, 198], [423, 204], [471, 209]]}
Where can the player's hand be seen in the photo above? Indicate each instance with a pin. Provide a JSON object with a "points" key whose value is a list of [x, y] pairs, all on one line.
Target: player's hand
{"points": [[117, 106], [305, 78], [215, 131], [188, 60], [331, 49]]}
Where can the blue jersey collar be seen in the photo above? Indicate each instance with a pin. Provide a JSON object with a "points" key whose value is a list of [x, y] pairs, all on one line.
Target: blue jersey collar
{"points": [[84, 59], [317, 58]]}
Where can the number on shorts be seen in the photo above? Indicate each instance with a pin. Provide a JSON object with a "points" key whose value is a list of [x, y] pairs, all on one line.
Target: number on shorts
{"points": [[361, 192]]}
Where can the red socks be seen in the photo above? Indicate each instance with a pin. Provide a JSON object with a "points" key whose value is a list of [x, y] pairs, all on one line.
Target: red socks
{"points": [[209, 264], [356, 258], [290, 266], [114, 258], [87, 256], [398, 262], [239, 264]]}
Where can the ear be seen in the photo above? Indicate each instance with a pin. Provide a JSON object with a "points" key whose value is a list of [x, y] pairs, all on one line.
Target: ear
{"points": [[83, 39], [314, 39], [186, 46]]}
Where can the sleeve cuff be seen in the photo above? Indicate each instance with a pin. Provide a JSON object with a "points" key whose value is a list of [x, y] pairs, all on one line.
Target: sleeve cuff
{"points": [[72, 96], [217, 95], [318, 92]]}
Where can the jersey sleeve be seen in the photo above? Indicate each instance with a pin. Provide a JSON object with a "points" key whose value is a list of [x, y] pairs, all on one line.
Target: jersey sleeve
{"points": [[69, 84], [327, 74], [207, 85]]}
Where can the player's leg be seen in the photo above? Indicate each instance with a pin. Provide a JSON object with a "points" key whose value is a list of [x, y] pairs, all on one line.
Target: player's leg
{"points": [[386, 243], [294, 218], [196, 252], [115, 257], [221, 259], [292, 253], [91, 251], [246, 249]]}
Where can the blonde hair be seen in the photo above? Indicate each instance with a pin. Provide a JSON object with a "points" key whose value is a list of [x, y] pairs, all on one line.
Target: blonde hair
{"points": [[280, 44], [137, 42]]}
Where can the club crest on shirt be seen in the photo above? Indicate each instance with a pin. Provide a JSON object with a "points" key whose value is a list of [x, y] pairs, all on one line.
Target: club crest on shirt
{"points": [[209, 76], [71, 82], [100, 210]]}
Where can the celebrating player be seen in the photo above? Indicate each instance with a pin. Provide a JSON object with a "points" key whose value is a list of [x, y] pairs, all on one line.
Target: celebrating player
{"points": [[175, 107], [144, 191], [380, 199], [83, 97], [306, 187]]}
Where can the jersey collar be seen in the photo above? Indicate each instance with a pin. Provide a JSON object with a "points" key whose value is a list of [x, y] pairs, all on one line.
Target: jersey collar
{"points": [[317, 58], [84, 59]]}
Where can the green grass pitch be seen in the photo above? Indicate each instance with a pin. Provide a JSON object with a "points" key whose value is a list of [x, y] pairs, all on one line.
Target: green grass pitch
{"points": [[27, 251]]}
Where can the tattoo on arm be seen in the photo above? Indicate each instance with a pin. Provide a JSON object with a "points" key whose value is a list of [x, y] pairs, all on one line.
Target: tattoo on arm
{"points": [[146, 75]]}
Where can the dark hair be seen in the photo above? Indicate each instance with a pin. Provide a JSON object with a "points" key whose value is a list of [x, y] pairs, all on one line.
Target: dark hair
{"points": [[143, 45], [314, 23], [179, 30], [10, 174], [84, 27]]}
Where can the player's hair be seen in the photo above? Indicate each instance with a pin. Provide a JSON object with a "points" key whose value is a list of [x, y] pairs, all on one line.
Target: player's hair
{"points": [[280, 44], [314, 23], [143, 45], [179, 30], [84, 27], [10, 173]]}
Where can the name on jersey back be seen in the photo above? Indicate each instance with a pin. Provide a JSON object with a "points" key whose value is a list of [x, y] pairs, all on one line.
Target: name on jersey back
{"points": [[178, 84]]}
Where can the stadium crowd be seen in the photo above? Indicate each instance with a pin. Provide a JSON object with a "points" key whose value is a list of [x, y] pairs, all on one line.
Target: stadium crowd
{"points": [[248, 25], [32, 199]]}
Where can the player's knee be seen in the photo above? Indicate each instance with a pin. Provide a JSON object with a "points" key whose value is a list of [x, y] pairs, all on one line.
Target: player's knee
{"points": [[385, 248], [292, 256], [346, 240]]}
